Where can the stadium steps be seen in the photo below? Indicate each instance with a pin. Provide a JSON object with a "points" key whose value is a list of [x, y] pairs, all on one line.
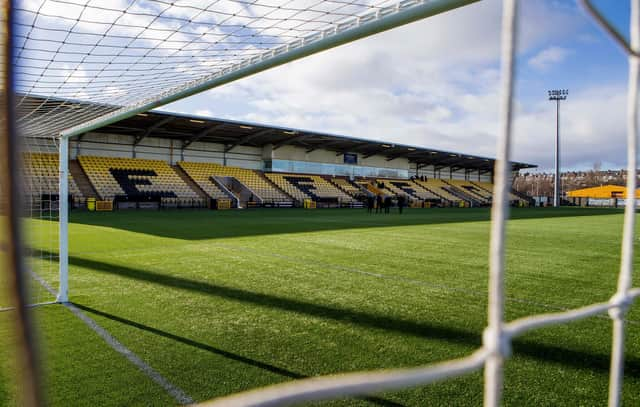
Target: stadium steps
{"points": [[442, 198], [227, 188], [81, 179], [422, 192], [467, 189], [275, 186], [335, 184], [187, 179], [374, 189], [462, 194], [482, 187], [406, 188], [364, 190]]}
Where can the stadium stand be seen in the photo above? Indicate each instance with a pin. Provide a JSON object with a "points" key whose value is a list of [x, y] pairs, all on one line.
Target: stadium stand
{"points": [[413, 190], [42, 178], [204, 143], [351, 188], [186, 185], [201, 175], [487, 188], [471, 189], [138, 180], [313, 187], [387, 187], [439, 188], [369, 185], [254, 181], [468, 191]]}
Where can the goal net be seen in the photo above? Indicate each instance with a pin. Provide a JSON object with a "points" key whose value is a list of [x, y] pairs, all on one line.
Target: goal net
{"points": [[39, 195], [83, 64]]}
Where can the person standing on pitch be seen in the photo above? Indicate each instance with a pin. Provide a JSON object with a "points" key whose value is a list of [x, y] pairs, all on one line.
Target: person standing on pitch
{"points": [[370, 203], [387, 204], [379, 204], [401, 202]]}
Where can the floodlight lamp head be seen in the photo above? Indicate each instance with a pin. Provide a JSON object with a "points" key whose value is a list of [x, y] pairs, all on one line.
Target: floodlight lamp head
{"points": [[558, 94]]}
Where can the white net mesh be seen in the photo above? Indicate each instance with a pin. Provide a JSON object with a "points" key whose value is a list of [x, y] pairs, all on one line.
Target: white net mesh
{"points": [[40, 200], [79, 60], [117, 53]]}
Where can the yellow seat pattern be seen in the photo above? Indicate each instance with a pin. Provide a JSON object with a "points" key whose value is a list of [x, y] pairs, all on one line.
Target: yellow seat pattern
{"points": [[165, 180], [41, 176], [437, 186], [201, 175], [488, 186], [472, 190], [347, 186], [419, 191], [320, 187], [250, 178]]}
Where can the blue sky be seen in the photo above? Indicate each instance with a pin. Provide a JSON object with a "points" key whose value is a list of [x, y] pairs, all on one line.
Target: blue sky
{"points": [[435, 84]]}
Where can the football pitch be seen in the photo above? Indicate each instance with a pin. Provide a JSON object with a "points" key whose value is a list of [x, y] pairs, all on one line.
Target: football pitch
{"points": [[220, 302]]}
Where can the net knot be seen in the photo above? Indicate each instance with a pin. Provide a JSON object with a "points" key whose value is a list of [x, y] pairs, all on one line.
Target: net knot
{"points": [[500, 345], [621, 303]]}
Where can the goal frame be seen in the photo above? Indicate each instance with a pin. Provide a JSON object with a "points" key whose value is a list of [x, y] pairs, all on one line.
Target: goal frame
{"points": [[402, 13], [498, 335]]}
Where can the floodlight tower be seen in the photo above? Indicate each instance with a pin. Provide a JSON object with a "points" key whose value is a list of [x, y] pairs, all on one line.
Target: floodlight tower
{"points": [[557, 95]]}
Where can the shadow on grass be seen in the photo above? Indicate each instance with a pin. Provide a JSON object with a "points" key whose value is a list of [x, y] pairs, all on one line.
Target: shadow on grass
{"points": [[530, 349], [220, 352], [203, 224]]}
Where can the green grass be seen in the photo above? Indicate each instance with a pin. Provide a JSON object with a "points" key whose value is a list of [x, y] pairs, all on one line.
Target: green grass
{"points": [[220, 302]]}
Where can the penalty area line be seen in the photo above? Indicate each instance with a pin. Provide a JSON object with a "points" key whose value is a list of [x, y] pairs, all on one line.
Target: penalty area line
{"points": [[174, 391], [178, 394]]}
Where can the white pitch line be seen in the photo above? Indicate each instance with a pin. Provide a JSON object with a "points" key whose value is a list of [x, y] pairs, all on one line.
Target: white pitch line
{"points": [[178, 394]]}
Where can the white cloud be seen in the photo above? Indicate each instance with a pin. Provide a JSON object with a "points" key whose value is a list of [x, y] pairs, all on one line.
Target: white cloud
{"points": [[592, 129], [548, 57], [434, 84]]}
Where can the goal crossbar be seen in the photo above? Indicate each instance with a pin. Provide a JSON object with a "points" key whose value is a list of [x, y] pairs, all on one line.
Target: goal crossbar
{"points": [[349, 30], [498, 335], [353, 29]]}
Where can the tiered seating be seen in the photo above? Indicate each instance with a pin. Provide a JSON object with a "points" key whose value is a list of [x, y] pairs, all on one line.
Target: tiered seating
{"points": [[303, 187], [201, 174], [487, 186], [414, 190], [364, 183], [250, 178], [347, 186], [472, 190], [407, 187], [374, 186], [386, 186], [41, 176], [438, 186], [132, 181], [138, 179]]}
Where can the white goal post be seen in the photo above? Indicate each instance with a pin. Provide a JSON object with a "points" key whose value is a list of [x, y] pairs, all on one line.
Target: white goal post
{"points": [[497, 337], [347, 30], [90, 100]]}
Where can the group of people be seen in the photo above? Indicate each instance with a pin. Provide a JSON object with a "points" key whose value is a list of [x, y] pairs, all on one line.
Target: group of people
{"points": [[384, 202]]}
